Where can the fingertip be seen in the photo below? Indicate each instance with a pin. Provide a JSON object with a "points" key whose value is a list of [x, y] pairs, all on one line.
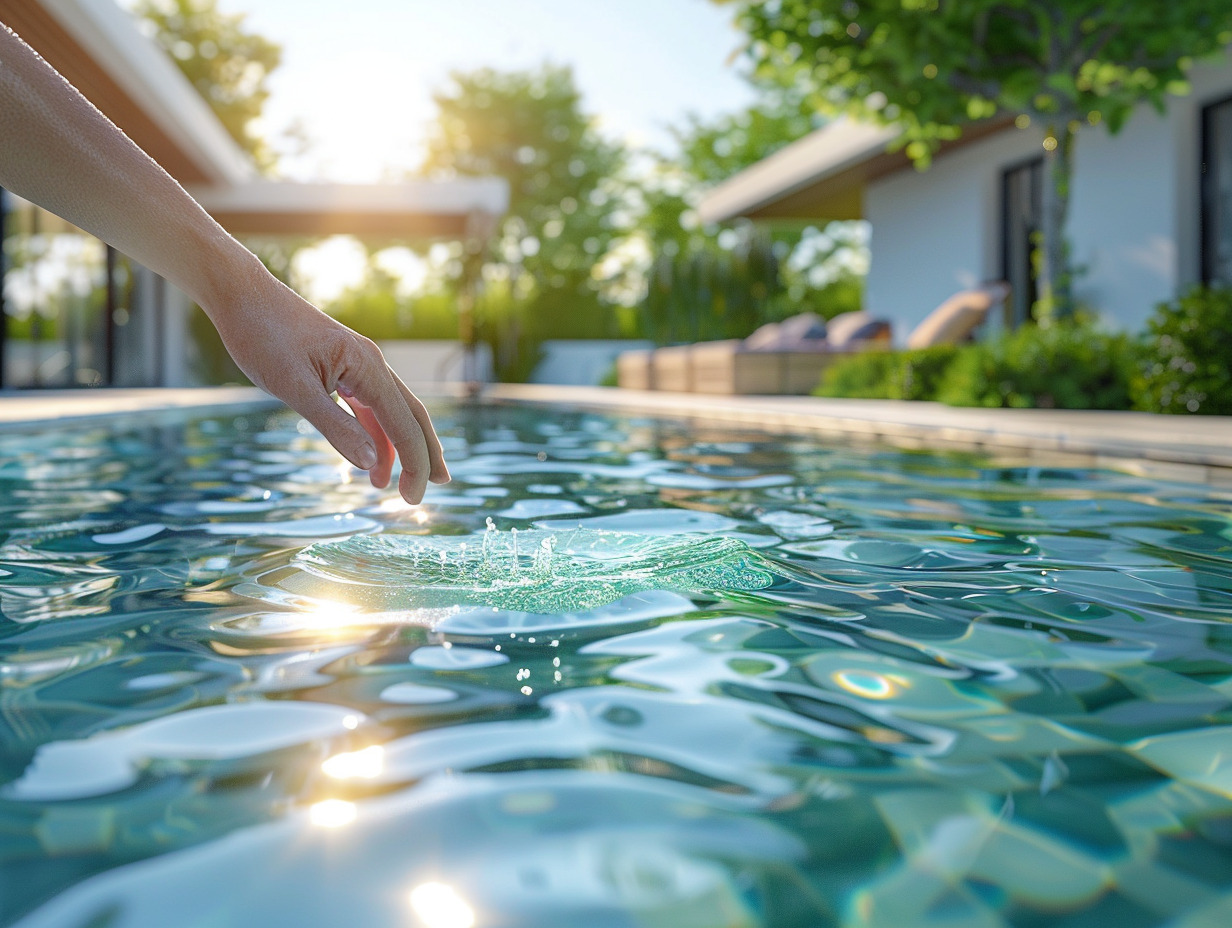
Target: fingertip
{"points": [[412, 490]]}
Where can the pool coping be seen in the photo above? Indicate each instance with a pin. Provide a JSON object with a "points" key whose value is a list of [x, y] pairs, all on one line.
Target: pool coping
{"points": [[1195, 449], [23, 408]]}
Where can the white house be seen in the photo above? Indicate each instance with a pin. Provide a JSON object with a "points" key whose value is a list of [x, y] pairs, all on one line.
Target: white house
{"points": [[116, 323], [1151, 212]]}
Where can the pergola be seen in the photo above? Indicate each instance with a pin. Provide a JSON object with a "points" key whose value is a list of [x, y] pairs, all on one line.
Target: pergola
{"points": [[99, 48]]}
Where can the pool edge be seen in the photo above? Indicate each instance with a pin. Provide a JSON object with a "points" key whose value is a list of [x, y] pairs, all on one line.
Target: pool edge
{"points": [[1196, 449]]}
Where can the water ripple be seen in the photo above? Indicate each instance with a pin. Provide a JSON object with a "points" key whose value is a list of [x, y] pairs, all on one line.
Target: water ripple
{"points": [[759, 681]]}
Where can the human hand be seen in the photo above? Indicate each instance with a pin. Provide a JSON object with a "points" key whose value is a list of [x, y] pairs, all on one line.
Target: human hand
{"points": [[294, 351]]}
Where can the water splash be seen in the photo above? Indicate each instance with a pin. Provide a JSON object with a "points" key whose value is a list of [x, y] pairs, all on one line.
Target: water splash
{"points": [[530, 571]]}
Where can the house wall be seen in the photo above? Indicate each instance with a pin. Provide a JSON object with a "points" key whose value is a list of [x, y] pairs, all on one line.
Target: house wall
{"points": [[1134, 216], [936, 232]]}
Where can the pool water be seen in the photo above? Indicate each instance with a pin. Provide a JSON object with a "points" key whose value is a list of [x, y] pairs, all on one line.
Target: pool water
{"points": [[717, 678]]}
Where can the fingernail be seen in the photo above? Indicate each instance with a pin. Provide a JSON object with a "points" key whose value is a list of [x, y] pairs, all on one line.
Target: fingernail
{"points": [[344, 391], [366, 457]]}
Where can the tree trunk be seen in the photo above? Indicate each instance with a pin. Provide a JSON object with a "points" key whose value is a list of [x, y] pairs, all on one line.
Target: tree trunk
{"points": [[1055, 276]]}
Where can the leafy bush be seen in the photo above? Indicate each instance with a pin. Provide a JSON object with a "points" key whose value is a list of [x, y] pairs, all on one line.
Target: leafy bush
{"points": [[380, 313], [893, 375], [1187, 363], [1066, 365]]}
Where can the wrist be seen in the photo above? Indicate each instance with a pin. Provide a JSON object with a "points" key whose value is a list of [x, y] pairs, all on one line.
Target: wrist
{"points": [[227, 277]]}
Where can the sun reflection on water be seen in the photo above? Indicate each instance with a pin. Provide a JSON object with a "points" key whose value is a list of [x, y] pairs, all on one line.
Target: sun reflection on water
{"points": [[868, 684], [366, 764], [332, 813], [438, 905]]}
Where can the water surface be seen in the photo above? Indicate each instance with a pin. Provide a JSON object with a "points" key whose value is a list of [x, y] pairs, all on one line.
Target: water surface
{"points": [[727, 679]]}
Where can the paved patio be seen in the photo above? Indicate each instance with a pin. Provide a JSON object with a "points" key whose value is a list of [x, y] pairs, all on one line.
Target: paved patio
{"points": [[1188, 448]]}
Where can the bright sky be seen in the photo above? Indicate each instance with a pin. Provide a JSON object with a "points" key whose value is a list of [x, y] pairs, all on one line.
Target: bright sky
{"points": [[358, 75]]}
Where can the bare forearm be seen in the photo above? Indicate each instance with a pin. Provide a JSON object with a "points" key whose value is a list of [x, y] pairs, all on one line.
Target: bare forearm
{"points": [[57, 150]]}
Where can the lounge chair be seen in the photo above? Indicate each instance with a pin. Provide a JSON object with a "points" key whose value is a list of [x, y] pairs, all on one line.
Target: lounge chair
{"points": [[956, 320], [789, 357], [785, 357]]}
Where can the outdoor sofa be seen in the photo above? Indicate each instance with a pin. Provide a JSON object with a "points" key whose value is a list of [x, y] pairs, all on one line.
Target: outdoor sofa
{"points": [[789, 357]]}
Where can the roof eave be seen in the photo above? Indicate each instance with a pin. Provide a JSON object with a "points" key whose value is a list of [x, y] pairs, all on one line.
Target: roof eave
{"points": [[110, 37], [414, 209], [823, 175]]}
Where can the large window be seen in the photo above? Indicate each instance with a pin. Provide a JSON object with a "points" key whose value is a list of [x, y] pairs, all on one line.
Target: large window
{"points": [[64, 295], [1217, 193], [1021, 188]]}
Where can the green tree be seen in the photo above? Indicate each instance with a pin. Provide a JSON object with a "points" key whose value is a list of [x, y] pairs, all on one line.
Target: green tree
{"points": [[565, 209], [228, 64], [932, 66], [709, 283]]}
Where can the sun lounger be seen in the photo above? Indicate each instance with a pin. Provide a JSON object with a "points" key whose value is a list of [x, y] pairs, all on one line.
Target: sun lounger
{"points": [[789, 357]]}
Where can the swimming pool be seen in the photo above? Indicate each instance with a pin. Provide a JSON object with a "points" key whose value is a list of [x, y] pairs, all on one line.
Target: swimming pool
{"points": [[768, 681]]}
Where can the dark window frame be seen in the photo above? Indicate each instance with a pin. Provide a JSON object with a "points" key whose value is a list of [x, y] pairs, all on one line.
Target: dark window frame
{"points": [[106, 347], [1035, 164], [1206, 192]]}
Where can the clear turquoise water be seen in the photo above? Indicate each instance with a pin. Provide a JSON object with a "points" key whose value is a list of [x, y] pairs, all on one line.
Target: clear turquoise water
{"points": [[768, 682]]}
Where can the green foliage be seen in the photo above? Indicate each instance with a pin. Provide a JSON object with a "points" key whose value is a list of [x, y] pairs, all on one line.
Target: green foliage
{"points": [[508, 325], [1066, 365], [529, 128], [229, 65], [711, 152], [932, 66], [706, 283], [565, 211], [891, 375], [377, 310], [710, 293], [843, 293], [1187, 362]]}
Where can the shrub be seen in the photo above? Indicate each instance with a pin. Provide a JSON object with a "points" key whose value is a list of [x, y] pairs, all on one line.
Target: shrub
{"points": [[894, 375], [1187, 362], [1065, 365]]}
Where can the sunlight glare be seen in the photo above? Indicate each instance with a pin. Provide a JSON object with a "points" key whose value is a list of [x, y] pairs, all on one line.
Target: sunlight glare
{"points": [[356, 765], [324, 270], [332, 813], [440, 906], [868, 684], [332, 616]]}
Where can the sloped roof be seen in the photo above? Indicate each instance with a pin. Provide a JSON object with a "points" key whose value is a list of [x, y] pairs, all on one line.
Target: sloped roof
{"points": [[99, 49], [97, 46], [821, 176]]}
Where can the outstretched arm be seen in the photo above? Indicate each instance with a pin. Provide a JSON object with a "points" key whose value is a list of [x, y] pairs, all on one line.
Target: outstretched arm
{"points": [[57, 150]]}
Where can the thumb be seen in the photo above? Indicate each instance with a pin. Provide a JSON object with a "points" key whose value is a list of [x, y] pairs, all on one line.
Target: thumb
{"points": [[340, 429]]}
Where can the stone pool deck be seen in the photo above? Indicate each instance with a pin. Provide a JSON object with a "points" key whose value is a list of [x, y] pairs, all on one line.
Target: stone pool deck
{"points": [[1189, 448], [21, 407]]}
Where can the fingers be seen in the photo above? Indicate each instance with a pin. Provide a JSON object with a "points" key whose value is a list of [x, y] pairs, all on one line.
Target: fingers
{"points": [[392, 414], [379, 474], [439, 472], [342, 431]]}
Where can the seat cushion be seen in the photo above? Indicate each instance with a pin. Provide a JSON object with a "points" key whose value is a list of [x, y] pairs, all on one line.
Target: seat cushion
{"points": [[807, 330], [848, 329], [954, 321]]}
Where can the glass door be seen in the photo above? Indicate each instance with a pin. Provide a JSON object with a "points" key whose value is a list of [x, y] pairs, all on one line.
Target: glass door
{"points": [[1217, 193], [1021, 187]]}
